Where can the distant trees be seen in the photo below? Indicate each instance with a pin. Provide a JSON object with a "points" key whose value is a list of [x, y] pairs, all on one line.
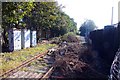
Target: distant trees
{"points": [[86, 27], [48, 16], [64, 24]]}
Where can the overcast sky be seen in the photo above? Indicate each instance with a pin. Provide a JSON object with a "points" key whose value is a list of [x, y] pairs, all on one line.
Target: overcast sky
{"points": [[97, 10]]}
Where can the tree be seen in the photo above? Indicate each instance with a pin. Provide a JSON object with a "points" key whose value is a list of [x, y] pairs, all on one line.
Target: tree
{"points": [[48, 16], [44, 17], [86, 27], [12, 15], [64, 24]]}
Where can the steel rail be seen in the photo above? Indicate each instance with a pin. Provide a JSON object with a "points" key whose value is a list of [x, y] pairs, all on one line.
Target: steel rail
{"points": [[7, 73], [48, 73]]}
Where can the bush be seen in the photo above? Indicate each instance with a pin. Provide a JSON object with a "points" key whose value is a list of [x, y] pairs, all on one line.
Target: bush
{"points": [[55, 40], [70, 37]]}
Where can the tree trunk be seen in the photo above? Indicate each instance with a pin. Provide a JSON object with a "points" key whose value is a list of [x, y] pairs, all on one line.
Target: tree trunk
{"points": [[5, 41]]}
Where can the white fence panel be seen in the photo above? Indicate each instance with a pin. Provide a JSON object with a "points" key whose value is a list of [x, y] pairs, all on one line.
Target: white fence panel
{"points": [[14, 39], [25, 38], [33, 38]]}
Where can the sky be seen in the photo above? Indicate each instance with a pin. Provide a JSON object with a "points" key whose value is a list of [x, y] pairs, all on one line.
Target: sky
{"points": [[99, 11]]}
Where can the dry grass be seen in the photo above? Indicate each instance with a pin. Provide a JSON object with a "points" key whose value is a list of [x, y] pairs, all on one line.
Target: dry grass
{"points": [[13, 59]]}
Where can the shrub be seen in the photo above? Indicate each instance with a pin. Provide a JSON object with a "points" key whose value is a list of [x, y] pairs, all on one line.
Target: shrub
{"points": [[70, 37]]}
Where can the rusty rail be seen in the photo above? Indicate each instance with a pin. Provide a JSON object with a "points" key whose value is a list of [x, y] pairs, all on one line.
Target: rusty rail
{"points": [[47, 75], [7, 73]]}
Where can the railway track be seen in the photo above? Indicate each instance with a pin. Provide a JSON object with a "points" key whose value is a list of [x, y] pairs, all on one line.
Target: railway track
{"points": [[42, 69], [39, 66]]}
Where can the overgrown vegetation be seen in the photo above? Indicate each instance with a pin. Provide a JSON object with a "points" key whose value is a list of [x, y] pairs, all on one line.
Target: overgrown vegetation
{"points": [[13, 59], [68, 37], [46, 17]]}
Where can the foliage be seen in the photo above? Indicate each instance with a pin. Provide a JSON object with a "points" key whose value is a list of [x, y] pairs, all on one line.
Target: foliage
{"points": [[49, 16], [70, 37], [56, 40], [13, 13], [46, 17], [36, 15], [86, 27], [12, 16], [41, 15]]}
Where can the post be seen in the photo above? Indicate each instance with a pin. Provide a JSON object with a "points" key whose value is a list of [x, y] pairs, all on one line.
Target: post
{"points": [[119, 11], [119, 22], [112, 16]]}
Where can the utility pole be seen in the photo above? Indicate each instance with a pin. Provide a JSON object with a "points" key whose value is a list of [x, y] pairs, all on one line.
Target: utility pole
{"points": [[119, 11], [112, 15]]}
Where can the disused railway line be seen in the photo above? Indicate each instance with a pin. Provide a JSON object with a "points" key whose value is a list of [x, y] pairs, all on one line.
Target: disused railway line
{"points": [[16, 73], [71, 60]]}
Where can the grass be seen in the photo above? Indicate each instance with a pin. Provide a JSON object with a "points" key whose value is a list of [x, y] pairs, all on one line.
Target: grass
{"points": [[13, 59]]}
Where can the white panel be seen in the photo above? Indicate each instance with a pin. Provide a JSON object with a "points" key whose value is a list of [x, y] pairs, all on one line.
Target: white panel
{"points": [[14, 40], [34, 39], [17, 40], [27, 38]]}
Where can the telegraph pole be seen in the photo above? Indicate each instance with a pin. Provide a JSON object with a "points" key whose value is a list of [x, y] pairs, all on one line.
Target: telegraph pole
{"points": [[119, 11], [112, 15]]}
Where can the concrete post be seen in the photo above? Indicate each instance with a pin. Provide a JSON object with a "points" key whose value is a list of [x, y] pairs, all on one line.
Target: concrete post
{"points": [[119, 11]]}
